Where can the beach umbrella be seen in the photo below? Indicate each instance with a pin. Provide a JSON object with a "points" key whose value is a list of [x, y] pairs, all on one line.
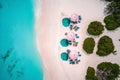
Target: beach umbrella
{"points": [[64, 56], [74, 17], [73, 55], [70, 35], [66, 22], [64, 42]]}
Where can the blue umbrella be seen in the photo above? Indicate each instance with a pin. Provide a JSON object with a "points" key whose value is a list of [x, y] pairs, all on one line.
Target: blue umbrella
{"points": [[66, 22], [64, 56], [64, 42]]}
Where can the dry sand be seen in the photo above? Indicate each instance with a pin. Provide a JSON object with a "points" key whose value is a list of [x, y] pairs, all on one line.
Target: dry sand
{"points": [[49, 31]]}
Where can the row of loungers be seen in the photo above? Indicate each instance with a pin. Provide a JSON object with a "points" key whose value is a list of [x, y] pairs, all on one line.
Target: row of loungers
{"points": [[71, 38]]}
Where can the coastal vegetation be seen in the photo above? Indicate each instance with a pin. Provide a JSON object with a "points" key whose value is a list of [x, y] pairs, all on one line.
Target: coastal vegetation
{"points": [[107, 0], [105, 71], [108, 71], [105, 46], [90, 74], [113, 7], [111, 0], [88, 45], [112, 20], [95, 28]]}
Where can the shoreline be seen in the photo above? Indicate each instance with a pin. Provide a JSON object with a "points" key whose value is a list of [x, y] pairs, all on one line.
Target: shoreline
{"points": [[51, 59]]}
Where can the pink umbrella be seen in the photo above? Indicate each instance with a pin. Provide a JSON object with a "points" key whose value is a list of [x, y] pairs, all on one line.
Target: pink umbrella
{"points": [[74, 17], [70, 35], [73, 55]]}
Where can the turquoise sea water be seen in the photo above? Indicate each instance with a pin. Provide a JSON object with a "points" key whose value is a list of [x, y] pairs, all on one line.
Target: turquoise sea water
{"points": [[19, 58]]}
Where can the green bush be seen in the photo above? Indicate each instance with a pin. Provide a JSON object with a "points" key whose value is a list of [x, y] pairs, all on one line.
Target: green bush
{"points": [[117, 17], [88, 45], [91, 74], [116, 0], [91, 71], [95, 28], [116, 7], [112, 7], [108, 71], [105, 71], [105, 46], [91, 77], [111, 22], [107, 0]]}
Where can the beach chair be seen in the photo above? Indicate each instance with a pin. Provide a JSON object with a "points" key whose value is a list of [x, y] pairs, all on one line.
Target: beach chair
{"points": [[68, 51], [78, 60], [79, 54], [77, 43], [76, 35], [71, 26], [69, 42], [76, 29], [79, 18], [71, 61]]}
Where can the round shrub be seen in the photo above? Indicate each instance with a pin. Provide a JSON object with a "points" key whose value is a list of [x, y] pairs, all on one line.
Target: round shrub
{"points": [[64, 56], [66, 22], [117, 17], [108, 71], [95, 28], [91, 74], [105, 46], [90, 71], [111, 23], [88, 45]]}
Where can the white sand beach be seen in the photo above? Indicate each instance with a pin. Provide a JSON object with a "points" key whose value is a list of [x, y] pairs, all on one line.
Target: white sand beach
{"points": [[49, 32]]}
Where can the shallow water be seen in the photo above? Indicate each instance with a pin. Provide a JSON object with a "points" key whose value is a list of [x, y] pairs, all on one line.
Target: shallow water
{"points": [[19, 58]]}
